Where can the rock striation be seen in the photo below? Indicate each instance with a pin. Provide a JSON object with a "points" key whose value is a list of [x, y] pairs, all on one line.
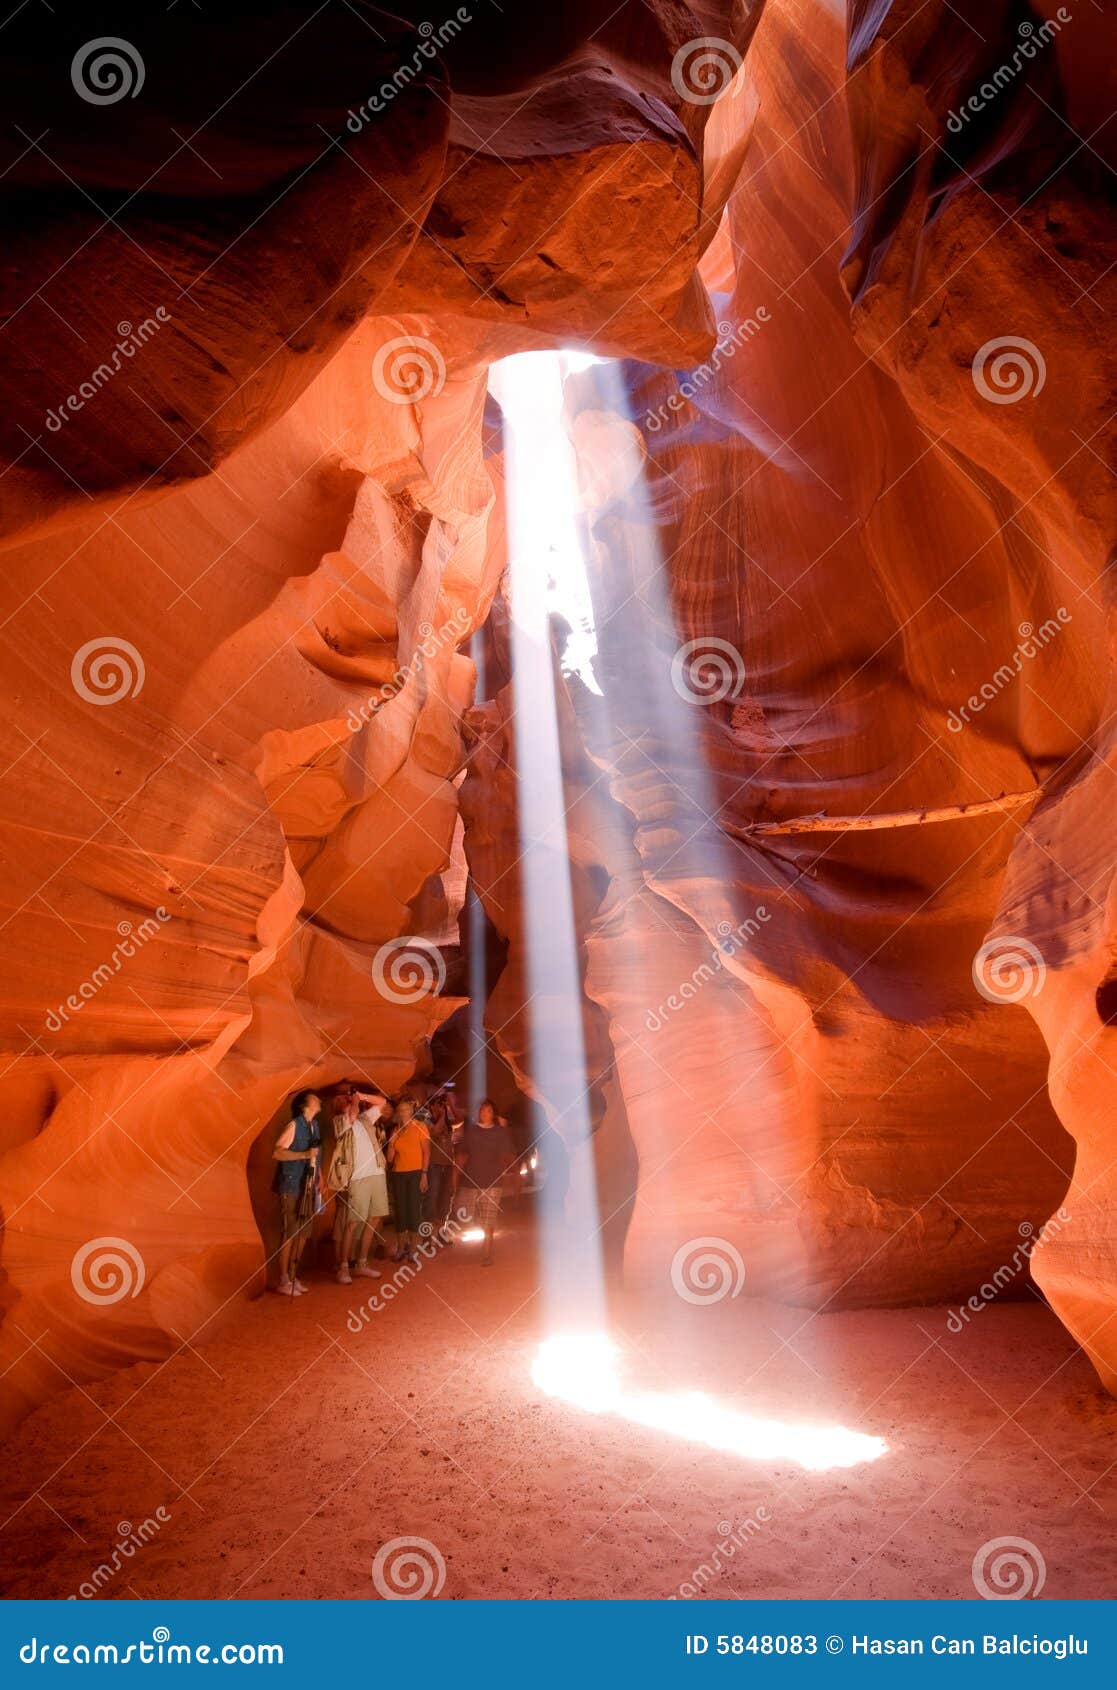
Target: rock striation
{"points": [[846, 508]]}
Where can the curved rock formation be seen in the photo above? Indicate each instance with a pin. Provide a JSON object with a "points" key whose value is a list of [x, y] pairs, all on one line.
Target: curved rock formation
{"points": [[846, 510]]}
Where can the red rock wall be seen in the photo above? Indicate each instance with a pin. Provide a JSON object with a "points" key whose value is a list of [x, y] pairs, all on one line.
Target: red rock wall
{"points": [[246, 514], [283, 515]]}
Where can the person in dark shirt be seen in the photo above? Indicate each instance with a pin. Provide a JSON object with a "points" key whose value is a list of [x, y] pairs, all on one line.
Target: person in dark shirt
{"points": [[296, 1161], [487, 1154], [439, 1175]]}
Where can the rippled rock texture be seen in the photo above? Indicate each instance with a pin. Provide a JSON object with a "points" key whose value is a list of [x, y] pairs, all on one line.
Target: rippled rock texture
{"points": [[858, 436]]}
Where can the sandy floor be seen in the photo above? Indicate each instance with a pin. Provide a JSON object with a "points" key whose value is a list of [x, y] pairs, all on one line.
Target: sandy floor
{"points": [[289, 1449]]}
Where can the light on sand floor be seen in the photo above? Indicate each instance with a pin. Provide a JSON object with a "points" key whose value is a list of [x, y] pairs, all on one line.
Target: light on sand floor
{"points": [[582, 1370]]}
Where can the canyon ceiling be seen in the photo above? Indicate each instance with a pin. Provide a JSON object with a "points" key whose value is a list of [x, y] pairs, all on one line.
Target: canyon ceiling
{"points": [[857, 431]]}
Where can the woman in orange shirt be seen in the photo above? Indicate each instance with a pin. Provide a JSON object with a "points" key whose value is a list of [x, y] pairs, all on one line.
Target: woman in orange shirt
{"points": [[408, 1152]]}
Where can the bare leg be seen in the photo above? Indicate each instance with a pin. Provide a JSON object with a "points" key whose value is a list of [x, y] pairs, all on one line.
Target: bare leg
{"points": [[298, 1244]]}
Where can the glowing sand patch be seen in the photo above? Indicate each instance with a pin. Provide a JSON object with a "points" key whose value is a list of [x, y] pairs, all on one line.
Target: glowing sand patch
{"points": [[582, 1370]]}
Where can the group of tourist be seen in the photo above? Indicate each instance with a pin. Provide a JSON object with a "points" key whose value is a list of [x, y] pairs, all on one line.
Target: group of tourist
{"points": [[400, 1165]]}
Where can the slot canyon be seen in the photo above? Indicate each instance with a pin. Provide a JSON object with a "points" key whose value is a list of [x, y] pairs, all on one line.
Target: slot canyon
{"points": [[562, 554]]}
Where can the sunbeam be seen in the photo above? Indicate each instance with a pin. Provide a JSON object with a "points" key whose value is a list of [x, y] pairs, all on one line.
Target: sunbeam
{"points": [[581, 1369]]}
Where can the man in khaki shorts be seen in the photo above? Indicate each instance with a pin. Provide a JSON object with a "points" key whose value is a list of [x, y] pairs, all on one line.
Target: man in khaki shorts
{"points": [[357, 1173]]}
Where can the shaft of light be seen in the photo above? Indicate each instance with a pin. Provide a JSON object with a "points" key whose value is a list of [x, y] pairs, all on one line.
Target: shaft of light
{"points": [[581, 1369], [541, 497]]}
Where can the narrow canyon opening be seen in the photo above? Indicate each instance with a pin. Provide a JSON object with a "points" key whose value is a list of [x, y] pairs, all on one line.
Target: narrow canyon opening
{"points": [[562, 562]]}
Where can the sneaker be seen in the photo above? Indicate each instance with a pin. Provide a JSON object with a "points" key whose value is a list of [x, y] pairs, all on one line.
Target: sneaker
{"points": [[299, 1288], [363, 1271], [344, 1277], [285, 1288]]}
